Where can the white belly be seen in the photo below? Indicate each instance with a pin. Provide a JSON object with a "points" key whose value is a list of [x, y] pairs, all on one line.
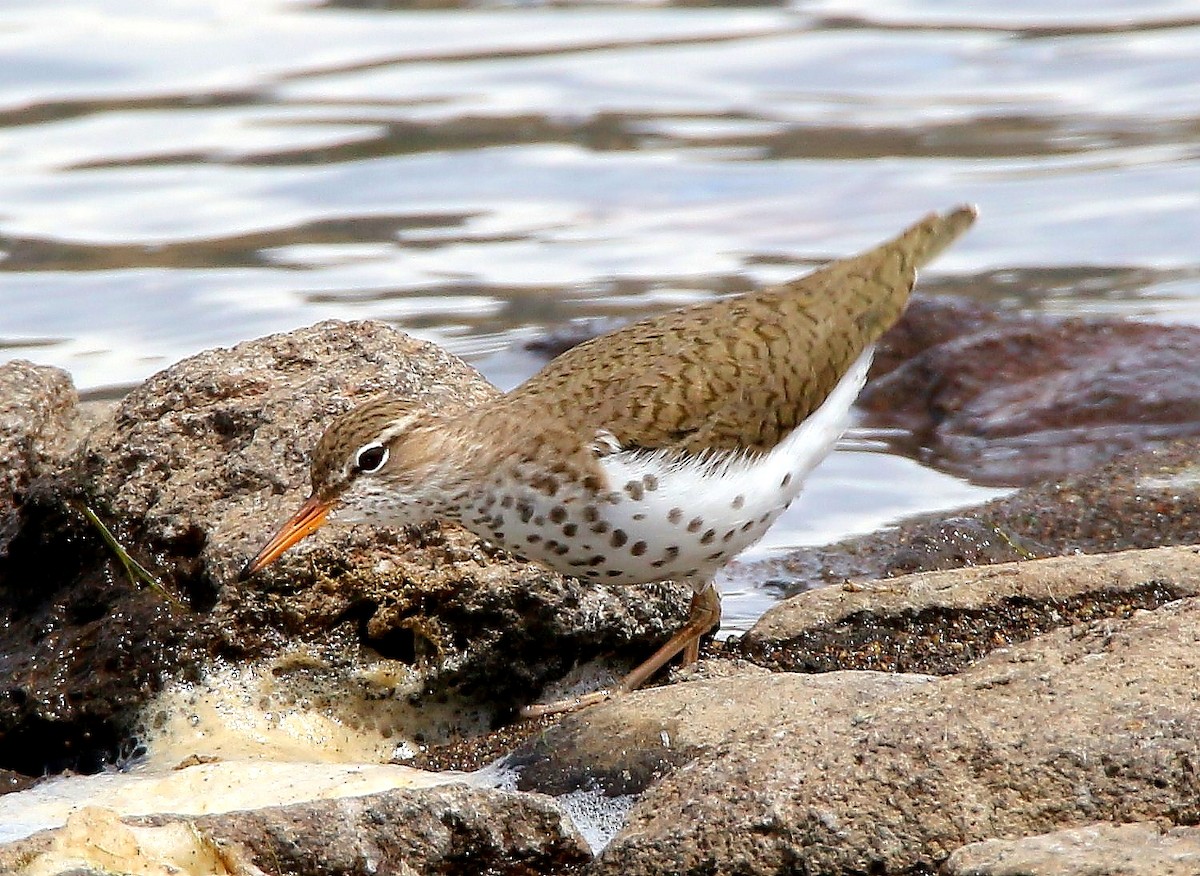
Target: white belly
{"points": [[669, 519]]}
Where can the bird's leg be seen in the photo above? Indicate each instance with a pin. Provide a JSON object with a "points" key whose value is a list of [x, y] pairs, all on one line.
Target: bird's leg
{"points": [[705, 614]]}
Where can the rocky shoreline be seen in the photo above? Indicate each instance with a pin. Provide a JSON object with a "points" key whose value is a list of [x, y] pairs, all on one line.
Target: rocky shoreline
{"points": [[1008, 690]]}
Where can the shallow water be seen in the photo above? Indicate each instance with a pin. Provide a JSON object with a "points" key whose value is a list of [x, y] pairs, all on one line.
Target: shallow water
{"points": [[192, 173]]}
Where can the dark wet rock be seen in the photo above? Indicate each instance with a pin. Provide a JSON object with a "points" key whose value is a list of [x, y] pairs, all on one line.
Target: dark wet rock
{"points": [[626, 745], [445, 829], [941, 622], [1141, 500], [470, 753], [192, 473], [933, 320], [37, 405], [1095, 722], [10, 781], [1138, 849], [1016, 399]]}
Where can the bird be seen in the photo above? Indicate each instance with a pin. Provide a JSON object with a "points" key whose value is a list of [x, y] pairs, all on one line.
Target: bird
{"points": [[655, 452]]}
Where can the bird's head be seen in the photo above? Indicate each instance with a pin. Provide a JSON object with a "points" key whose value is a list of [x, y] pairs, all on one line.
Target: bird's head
{"points": [[380, 462]]}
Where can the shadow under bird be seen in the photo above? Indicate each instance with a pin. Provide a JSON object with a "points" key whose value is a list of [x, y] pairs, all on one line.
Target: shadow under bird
{"points": [[656, 452]]}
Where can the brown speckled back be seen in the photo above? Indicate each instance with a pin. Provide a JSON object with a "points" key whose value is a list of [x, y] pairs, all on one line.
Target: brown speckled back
{"points": [[738, 373]]}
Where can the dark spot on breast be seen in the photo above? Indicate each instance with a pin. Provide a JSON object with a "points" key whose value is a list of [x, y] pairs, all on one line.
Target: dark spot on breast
{"points": [[717, 556], [738, 501], [650, 482], [675, 515], [747, 526], [577, 564], [593, 484], [525, 510], [671, 553], [695, 524], [592, 573], [614, 573], [539, 520], [765, 518], [597, 560], [506, 502], [558, 514], [551, 545], [639, 516], [787, 479], [590, 514], [708, 537], [635, 490], [570, 529], [488, 503], [729, 535], [618, 538], [562, 550], [638, 548], [545, 484], [601, 526], [533, 538], [658, 564]]}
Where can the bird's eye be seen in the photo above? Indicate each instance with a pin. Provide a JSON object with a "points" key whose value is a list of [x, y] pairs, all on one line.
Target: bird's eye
{"points": [[370, 458]]}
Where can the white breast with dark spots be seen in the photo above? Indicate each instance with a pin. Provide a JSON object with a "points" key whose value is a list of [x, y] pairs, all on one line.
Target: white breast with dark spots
{"points": [[661, 516]]}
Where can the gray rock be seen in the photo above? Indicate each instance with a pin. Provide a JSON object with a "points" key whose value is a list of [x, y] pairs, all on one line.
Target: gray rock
{"points": [[445, 829], [1139, 849], [37, 404], [940, 622], [450, 829], [624, 745], [1139, 500], [1092, 722]]}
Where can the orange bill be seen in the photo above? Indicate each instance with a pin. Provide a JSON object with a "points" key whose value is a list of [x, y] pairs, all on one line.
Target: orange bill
{"points": [[303, 523]]}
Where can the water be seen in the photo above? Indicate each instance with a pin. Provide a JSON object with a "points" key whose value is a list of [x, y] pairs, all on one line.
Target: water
{"points": [[183, 174]]}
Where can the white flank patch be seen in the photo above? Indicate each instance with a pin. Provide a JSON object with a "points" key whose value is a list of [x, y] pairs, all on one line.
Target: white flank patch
{"points": [[742, 493]]}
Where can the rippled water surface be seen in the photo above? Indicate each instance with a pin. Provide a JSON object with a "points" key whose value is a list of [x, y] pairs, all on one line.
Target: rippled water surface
{"points": [[189, 173]]}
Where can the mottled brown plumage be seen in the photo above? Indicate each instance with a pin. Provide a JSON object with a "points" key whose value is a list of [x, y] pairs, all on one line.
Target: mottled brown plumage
{"points": [[737, 373], [655, 452]]}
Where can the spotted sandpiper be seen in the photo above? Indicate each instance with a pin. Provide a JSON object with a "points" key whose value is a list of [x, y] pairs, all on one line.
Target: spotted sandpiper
{"points": [[656, 452]]}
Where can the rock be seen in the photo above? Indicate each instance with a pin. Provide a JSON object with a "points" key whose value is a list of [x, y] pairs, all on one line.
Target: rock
{"points": [[1142, 500], [1092, 722], [1018, 399], [1138, 849], [10, 782], [940, 622], [192, 473], [37, 405], [625, 745], [450, 828]]}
